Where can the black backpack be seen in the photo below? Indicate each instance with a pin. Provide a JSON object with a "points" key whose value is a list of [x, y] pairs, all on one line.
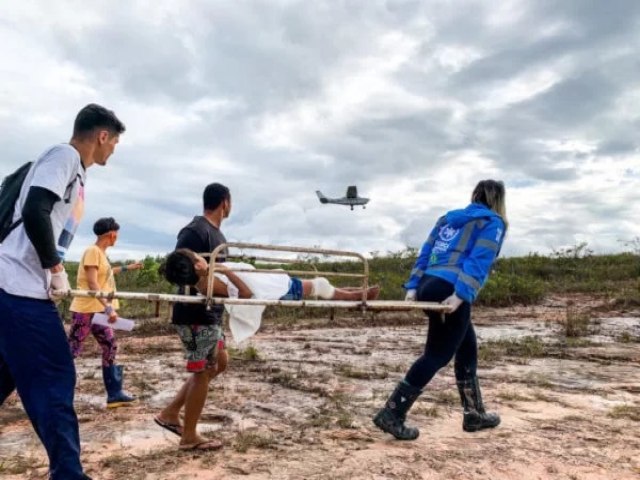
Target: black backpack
{"points": [[9, 193]]}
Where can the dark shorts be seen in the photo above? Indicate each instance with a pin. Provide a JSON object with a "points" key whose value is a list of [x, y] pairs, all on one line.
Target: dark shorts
{"points": [[202, 344], [295, 290]]}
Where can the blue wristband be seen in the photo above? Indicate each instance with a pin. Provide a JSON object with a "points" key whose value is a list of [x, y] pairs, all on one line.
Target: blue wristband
{"points": [[108, 310]]}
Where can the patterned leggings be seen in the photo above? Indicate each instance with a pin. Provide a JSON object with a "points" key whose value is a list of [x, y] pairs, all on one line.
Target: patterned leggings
{"points": [[80, 329]]}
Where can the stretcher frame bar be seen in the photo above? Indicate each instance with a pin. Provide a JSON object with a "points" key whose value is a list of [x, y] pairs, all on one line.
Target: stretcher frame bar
{"points": [[257, 258], [275, 261], [299, 272], [290, 249], [209, 299], [397, 305]]}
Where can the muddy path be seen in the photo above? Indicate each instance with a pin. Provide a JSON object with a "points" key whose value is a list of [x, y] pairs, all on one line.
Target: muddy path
{"points": [[297, 401]]}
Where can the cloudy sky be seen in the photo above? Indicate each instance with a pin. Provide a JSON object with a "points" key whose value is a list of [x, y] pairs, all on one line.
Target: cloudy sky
{"points": [[412, 101]]}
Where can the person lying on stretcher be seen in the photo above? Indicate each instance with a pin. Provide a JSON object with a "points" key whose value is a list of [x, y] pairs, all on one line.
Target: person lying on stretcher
{"points": [[185, 267]]}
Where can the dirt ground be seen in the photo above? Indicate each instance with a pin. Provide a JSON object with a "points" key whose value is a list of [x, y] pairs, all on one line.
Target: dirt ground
{"points": [[297, 402]]}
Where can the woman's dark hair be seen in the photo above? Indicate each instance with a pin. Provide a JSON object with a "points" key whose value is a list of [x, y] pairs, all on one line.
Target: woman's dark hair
{"points": [[491, 193], [214, 194], [179, 269], [105, 225]]}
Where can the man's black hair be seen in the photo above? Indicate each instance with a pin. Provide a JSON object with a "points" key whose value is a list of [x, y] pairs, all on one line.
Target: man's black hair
{"points": [[214, 194], [94, 117], [178, 269], [105, 225]]}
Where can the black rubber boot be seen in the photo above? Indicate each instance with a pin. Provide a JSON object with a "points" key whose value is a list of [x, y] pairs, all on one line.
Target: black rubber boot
{"points": [[392, 416], [112, 377], [475, 417]]}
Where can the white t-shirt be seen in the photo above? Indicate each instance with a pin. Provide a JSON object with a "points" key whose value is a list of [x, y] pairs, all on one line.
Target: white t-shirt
{"points": [[60, 171], [245, 320], [265, 286]]}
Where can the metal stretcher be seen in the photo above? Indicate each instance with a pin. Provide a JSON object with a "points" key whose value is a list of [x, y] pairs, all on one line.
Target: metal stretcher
{"points": [[217, 253]]}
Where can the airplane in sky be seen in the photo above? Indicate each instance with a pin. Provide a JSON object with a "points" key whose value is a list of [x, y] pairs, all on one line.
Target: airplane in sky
{"points": [[351, 198]]}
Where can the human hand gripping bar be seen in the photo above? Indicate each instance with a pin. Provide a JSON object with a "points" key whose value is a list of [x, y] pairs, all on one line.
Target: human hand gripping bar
{"points": [[59, 283]]}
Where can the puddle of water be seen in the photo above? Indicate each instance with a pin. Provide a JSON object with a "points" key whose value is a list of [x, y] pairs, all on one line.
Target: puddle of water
{"points": [[570, 374], [161, 399], [609, 330], [513, 331], [86, 399], [141, 437]]}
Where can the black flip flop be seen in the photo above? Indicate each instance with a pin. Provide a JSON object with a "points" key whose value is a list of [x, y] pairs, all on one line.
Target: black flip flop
{"points": [[173, 428]]}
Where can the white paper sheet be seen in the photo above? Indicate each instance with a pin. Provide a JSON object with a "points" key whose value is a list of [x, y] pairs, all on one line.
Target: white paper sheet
{"points": [[120, 323]]}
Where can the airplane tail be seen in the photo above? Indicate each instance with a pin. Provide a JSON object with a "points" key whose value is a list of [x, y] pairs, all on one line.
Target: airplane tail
{"points": [[321, 197]]}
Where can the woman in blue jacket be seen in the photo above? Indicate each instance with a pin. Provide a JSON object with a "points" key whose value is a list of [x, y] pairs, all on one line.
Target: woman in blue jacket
{"points": [[452, 267]]}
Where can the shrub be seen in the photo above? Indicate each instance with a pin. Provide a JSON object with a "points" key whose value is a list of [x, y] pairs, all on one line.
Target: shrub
{"points": [[577, 323], [503, 289]]}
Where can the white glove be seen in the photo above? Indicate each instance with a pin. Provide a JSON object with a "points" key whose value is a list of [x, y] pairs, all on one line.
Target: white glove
{"points": [[59, 281], [410, 296], [454, 301]]}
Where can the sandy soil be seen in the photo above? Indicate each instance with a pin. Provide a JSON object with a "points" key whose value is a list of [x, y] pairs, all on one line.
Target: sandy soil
{"points": [[297, 401]]}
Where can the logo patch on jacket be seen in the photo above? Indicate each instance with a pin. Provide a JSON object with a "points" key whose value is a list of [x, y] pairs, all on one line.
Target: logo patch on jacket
{"points": [[446, 235]]}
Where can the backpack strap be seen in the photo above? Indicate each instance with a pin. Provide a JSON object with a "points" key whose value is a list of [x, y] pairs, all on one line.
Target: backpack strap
{"points": [[18, 222], [13, 226]]}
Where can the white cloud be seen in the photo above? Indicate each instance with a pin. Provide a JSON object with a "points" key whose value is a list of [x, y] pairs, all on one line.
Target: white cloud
{"points": [[412, 101], [357, 88], [520, 88], [454, 58]]}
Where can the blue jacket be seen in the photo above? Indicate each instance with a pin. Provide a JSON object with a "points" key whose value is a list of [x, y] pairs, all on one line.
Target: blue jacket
{"points": [[461, 249]]}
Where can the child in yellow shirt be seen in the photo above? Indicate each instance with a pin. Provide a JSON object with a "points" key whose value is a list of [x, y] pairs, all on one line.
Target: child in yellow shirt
{"points": [[95, 273]]}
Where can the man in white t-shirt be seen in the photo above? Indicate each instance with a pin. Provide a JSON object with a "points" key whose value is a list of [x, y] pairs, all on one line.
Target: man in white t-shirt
{"points": [[35, 357]]}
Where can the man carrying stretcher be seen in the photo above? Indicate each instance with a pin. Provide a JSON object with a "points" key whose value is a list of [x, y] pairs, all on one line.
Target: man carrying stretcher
{"points": [[200, 328]]}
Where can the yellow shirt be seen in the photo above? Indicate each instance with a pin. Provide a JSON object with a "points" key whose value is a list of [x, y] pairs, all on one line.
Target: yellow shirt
{"points": [[94, 257]]}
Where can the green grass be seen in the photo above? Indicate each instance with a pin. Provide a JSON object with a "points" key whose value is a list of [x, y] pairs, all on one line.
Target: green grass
{"points": [[630, 412], [513, 396], [335, 411], [19, 464], [249, 354], [526, 347], [246, 440], [427, 411], [626, 337], [345, 419], [350, 371], [577, 323]]}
